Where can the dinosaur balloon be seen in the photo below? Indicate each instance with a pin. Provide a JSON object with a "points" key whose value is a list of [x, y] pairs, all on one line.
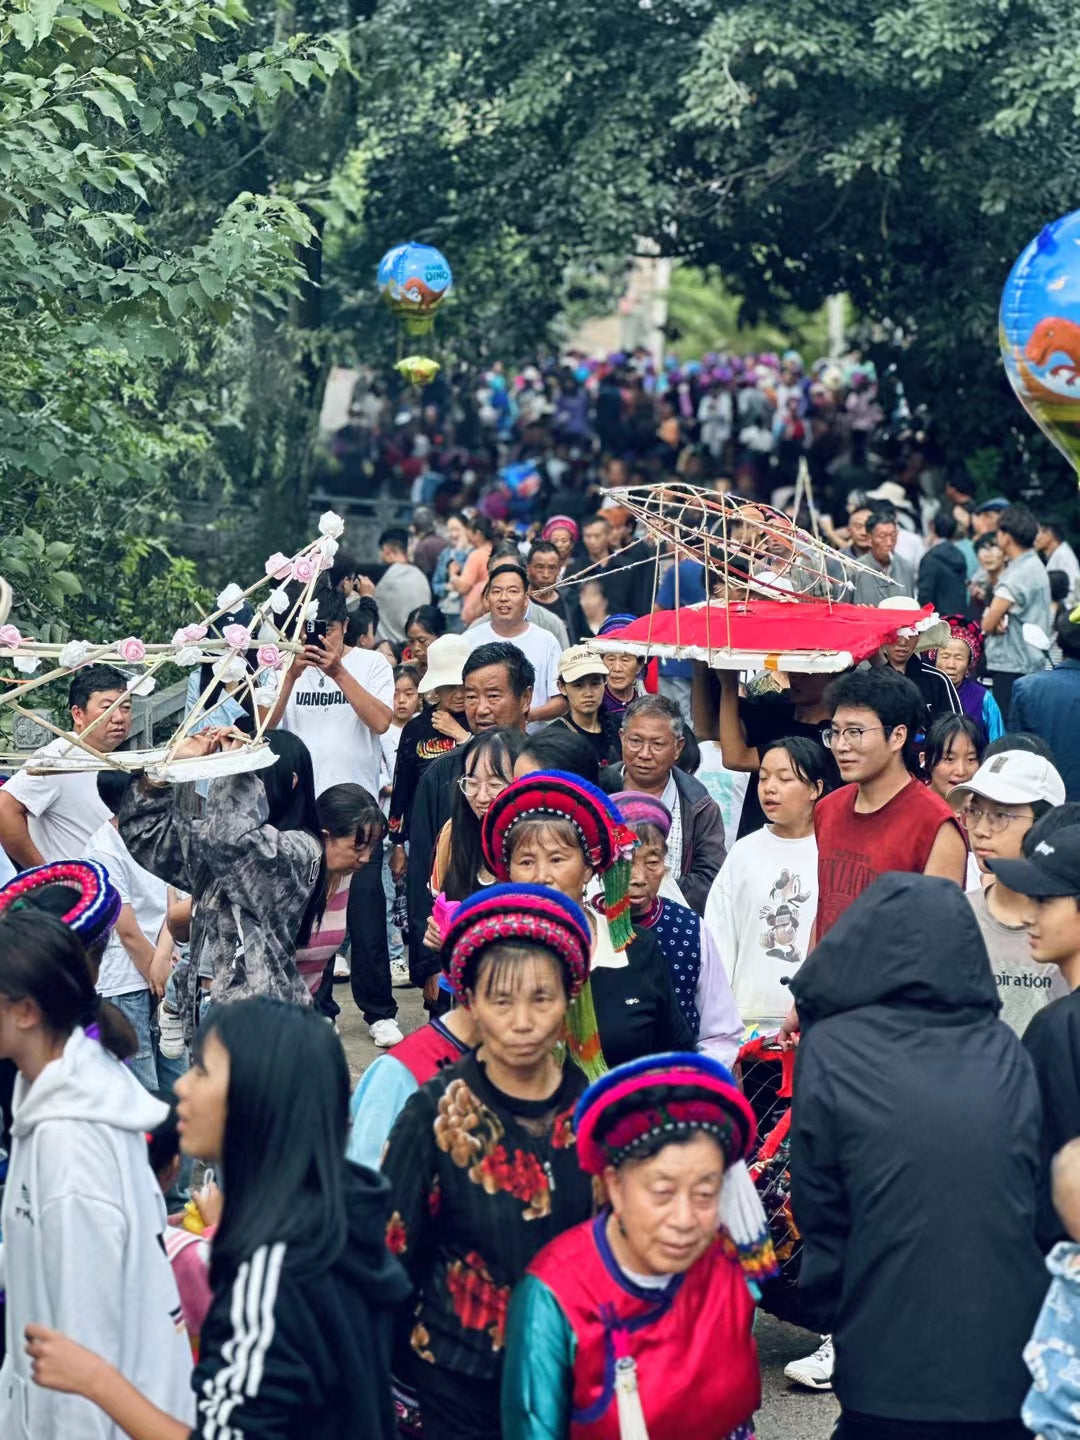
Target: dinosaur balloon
{"points": [[414, 280], [1039, 333]]}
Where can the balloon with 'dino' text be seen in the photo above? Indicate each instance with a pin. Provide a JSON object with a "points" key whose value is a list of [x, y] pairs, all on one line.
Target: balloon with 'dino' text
{"points": [[414, 280]]}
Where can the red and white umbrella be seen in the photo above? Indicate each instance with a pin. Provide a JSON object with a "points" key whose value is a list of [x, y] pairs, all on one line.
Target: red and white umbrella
{"points": [[810, 636]]}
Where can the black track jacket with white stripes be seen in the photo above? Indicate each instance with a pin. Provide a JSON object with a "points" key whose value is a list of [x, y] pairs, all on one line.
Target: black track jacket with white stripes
{"points": [[285, 1355]]}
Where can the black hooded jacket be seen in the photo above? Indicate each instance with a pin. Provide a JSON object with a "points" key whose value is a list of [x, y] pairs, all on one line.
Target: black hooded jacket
{"points": [[914, 1161], [285, 1353]]}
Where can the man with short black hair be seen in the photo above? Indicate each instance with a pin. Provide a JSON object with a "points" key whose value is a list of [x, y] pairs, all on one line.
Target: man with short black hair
{"points": [[1047, 704], [428, 544], [544, 565], [1050, 877], [894, 575], [943, 570], [402, 587], [507, 596], [498, 680], [883, 818], [1017, 620], [1058, 554], [601, 565], [51, 817]]}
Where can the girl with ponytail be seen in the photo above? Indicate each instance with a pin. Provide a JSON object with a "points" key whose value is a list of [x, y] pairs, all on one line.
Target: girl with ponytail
{"points": [[82, 1214]]}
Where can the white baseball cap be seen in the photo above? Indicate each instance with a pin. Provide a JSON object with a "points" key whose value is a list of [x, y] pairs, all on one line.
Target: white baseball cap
{"points": [[446, 658], [1015, 777]]}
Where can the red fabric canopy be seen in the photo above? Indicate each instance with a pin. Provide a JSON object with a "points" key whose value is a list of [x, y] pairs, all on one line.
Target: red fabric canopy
{"points": [[809, 635]]}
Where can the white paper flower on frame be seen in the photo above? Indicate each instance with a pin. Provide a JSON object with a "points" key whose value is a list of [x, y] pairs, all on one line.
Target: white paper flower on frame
{"points": [[26, 664], [328, 547], [311, 610], [188, 655], [331, 524], [232, 668], [144, 685], [230, 597], [279, 600], [73, 654]]}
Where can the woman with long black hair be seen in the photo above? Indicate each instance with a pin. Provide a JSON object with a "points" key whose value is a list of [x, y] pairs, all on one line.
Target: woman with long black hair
{"points": [[298, 1337], [253, 861], [83, 1217], [458, 868]]}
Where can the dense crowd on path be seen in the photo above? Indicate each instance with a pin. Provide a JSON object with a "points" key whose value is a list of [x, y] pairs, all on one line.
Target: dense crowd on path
{"points": [[742, 990]]}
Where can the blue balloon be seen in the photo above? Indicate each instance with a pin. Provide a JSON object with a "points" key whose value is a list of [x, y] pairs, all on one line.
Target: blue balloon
{"points": [[1039, 332], [414, 280]]}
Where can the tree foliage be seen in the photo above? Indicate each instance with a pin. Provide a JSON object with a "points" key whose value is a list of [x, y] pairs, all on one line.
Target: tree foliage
{"points": [[102, 326]]}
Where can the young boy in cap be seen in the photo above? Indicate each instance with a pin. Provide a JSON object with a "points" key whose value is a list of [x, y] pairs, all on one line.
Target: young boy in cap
{"points": [[582, 677], [1049, 878], [1003, 800]]}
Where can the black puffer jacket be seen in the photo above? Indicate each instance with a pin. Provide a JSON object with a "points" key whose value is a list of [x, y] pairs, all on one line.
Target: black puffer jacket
{"points": [[914, 1161]]}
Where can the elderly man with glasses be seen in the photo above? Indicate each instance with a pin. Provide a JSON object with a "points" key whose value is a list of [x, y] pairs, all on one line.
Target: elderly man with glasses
{"points": [[652, 742]]}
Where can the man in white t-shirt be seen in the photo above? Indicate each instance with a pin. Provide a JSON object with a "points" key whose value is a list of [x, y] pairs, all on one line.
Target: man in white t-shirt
{"points": [[338, 701], [137, 962], [51, 817], [507, 594]]}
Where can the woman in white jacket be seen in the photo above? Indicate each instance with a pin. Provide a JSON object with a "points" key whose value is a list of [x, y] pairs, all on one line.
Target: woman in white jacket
{"points": [[83, 1215]]}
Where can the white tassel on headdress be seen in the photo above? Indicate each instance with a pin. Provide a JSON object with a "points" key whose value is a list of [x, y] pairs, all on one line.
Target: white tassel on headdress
{"points": [[628, 1400], [743, 1217]]}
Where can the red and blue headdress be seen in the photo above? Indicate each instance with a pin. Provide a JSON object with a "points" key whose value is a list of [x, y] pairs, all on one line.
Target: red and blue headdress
{"points": [[606, 841], [531, 913], [672, 1095], [95, 900]]}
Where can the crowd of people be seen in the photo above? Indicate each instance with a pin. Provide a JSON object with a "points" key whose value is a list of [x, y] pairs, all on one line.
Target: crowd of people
{"points": [[742, 991]]}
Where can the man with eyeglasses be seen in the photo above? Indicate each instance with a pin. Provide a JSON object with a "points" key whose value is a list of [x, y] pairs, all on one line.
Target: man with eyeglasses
{"points": [[1003, 799], [652, 741], [882, 818]]}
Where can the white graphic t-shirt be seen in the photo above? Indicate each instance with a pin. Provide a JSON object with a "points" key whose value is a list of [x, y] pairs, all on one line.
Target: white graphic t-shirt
{"points": [[761, 911], [343, 749]]}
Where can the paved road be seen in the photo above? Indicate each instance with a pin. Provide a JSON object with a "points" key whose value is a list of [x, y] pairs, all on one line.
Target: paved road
{"points": [[786, 1413]]}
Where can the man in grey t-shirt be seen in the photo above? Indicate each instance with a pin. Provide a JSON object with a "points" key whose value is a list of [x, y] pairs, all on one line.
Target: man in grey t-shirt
{"points": [[896, 576], [1017, 622]]}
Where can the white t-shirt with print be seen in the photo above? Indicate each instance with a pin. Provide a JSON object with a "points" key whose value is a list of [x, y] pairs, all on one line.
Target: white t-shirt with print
{"points": [[538, 646], [145, 893], [63, 810], [761, 911], [343, 749]]}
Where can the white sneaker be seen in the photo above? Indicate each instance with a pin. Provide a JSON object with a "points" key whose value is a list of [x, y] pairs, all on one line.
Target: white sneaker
{"points": [[386, 1033], [342, 968], [171, 1036], [814, 1371]]}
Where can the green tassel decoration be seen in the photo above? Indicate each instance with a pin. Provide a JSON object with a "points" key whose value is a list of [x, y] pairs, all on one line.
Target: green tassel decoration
{"points": [[617, 903], [583, 1036]]}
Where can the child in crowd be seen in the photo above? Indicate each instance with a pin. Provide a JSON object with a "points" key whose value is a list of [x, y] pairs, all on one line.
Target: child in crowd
{"points": [[1052, 1407], [582, 678], [188, 1249]]}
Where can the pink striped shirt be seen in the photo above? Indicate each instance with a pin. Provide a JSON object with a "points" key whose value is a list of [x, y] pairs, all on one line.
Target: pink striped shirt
{"points": [[327, 938]]}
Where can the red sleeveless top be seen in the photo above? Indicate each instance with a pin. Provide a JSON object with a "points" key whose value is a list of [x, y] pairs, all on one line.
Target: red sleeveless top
{"points": [[853, 849], [424, 1052], [697, 1365]]}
